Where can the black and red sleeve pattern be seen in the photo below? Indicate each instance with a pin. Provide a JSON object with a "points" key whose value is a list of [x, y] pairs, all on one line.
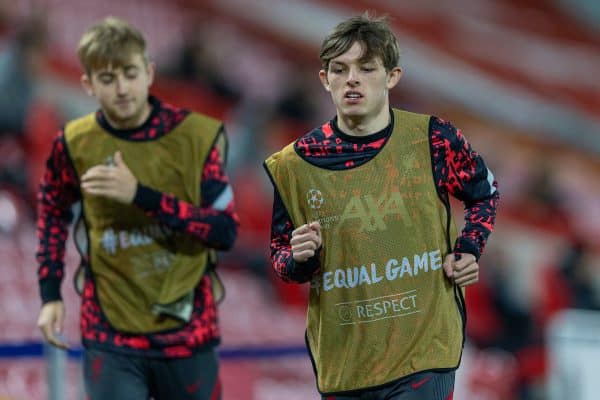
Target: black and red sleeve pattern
{"points": [[58, 191], [327, 147], [461, 172], [457, 169], [281, 251], [281, 234], [214, 222]]}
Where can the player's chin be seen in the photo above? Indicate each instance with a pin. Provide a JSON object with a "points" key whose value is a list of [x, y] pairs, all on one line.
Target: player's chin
{"points": [[352, 107], [125, 113]]}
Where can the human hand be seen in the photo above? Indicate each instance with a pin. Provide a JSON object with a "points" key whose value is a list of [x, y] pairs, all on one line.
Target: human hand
{"points": [[305, 241], [464, 271], [115, 182], [51, 321]]}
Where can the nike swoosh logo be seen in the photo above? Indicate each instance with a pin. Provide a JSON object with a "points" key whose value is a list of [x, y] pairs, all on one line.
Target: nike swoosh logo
{"points": [[416, 385], [194, 387]]}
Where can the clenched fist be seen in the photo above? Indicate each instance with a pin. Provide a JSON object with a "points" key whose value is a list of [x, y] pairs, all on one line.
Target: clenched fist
{"points": [[464, 271], [305, 241]]}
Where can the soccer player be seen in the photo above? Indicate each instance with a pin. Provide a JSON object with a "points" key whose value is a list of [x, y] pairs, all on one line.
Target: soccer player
{"points": [[361, 210], [155, 205]]}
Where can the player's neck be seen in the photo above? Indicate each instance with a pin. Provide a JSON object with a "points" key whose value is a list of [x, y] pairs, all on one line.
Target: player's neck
{"points": [[363, 125]]}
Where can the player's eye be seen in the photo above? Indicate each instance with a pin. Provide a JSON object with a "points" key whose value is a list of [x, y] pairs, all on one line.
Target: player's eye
{"points": [[106, 79]]}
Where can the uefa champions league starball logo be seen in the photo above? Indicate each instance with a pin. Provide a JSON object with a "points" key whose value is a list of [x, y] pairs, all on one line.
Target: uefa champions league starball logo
{"points": [[315, 198]]}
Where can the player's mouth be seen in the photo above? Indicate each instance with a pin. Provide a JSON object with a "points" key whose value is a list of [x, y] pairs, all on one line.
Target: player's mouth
{"points": [[353, 97], [123, 102]]}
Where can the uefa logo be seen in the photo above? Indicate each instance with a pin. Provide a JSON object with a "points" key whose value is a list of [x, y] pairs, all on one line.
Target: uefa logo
{"points": [[345, 313], [314, 198]]}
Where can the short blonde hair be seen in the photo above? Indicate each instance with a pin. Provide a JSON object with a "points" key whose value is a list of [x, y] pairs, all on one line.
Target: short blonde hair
{"points": [[110, 42], [373, 33]]}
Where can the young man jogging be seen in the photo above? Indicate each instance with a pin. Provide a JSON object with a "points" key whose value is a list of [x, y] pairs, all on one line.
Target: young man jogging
{"points": [[361, 210], [156, 204]]}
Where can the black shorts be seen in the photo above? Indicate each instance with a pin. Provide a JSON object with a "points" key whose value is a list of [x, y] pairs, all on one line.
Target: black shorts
{"points": [[122, 377], [421, 386]]}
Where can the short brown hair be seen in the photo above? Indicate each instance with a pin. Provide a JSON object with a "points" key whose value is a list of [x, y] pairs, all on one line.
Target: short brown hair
{"points": [[110, 42], [373, 33]]}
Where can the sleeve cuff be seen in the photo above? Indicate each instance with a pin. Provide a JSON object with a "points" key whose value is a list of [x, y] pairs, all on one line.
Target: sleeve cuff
{"points": [[303, 272], [464, 245], [50, 290], [146, 198]]}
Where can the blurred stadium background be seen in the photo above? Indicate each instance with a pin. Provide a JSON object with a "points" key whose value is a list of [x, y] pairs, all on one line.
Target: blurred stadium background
{"points": [[519, 77]]}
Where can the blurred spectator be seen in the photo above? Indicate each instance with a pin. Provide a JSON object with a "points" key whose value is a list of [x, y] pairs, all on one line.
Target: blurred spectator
{"points": [[21, 64], [498, 320], [542, 197], [199, 61], [582, 277], [573, 283], [496, 317], [298, 100]]}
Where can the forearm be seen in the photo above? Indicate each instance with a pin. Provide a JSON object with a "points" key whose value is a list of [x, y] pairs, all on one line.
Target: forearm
{"points": [[282, 258], [58, 190], [479, 217], [289, 270], [52, 231], [461, 172], [215, 228]]}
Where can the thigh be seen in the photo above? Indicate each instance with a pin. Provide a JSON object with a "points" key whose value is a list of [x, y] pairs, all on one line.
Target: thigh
{"points": [[189, 378], [423, 386], [113, 376]]}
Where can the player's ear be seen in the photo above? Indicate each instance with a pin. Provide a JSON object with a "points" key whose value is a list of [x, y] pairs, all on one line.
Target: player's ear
{"points": [[86, 83], [324, 80], [393, 77], [150, 69]]}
